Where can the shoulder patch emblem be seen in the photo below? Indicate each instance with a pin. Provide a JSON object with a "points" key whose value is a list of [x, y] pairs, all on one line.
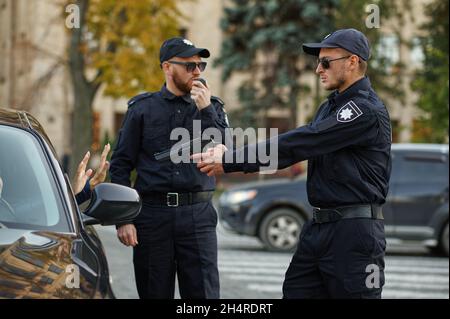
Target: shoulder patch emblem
{"points": [[348, 112]]}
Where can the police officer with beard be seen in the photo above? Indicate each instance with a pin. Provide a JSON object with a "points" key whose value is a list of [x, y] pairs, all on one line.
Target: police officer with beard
{"points": [[175, 233], [340, 253]]}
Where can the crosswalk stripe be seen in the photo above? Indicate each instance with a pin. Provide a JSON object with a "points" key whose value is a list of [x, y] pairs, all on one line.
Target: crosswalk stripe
{"points": [[263, 270], [257, 264], [251, 270], [418, 284], [265, 288], [390, 279], [257, 278], [262, 267], [413, 278], [286, 259], [438, 286], [397, 294], [387, 294], [390, 261]]}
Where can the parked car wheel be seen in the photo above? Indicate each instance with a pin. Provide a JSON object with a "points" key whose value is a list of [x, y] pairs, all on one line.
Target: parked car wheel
{"points": [[444, 240], [280, 229]]}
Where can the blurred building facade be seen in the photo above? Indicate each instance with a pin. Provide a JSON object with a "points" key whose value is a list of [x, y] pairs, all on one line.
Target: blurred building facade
{"points": [[34, 75]]}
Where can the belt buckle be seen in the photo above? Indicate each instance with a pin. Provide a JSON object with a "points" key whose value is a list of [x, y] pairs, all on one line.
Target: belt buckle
{"points": [[169, 203], [315, 211]]}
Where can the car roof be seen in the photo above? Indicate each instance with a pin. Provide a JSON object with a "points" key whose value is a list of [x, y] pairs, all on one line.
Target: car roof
{"points": [[24, 120], [421, 147]]}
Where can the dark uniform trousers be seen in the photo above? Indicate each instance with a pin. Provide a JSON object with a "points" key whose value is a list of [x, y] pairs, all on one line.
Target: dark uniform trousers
{"points": [[341, 259], [177, 240]]}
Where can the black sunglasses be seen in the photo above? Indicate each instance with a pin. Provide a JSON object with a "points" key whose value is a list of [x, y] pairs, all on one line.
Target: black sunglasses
{"points": [[190, 66], [326, 61]]}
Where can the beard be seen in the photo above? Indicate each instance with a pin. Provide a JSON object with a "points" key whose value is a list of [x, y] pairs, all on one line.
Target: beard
{"points": [[337, 83], [182, 86]]}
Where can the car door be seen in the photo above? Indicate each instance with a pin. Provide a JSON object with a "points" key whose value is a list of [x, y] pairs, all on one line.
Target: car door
{"points": [[42, 253], [420, 179], [35, 235]]}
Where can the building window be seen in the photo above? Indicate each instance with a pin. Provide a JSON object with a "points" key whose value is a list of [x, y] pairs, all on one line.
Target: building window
{"points": [[388, 53], [417, 55]]}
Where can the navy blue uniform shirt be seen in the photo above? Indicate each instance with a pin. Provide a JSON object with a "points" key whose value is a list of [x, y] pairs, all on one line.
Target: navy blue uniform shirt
{"points": [[146, 130], [347, 146]]}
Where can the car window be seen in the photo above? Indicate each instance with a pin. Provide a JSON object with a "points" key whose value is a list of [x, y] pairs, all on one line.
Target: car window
{"points": [[417, 169], [29, 198]]}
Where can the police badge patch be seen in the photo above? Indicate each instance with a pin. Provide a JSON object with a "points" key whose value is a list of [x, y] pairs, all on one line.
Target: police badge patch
{"points": [[348, 112]]}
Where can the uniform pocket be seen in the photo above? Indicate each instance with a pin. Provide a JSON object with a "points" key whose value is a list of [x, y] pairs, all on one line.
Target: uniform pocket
{"points": [[156, 138], [205, 216], [364, 276], [214, 213], [371, 236]]}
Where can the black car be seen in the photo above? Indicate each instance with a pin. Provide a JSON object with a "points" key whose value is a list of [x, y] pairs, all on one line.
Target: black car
{"points": [[416, 208], [48, 247]]}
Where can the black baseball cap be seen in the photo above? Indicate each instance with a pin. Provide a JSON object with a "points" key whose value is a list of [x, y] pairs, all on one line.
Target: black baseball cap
{"points": [[351, 40], [180, 47]]}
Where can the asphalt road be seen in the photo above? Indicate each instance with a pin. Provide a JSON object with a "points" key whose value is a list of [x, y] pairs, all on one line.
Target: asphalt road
{"points": [[248, 271]]}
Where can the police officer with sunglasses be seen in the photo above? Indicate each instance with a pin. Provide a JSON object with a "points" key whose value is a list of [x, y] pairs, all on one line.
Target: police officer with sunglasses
{"points": [[175, 232], [341, 250]]}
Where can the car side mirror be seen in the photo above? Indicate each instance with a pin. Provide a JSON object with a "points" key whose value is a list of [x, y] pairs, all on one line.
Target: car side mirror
{"points": [[112, 204]]}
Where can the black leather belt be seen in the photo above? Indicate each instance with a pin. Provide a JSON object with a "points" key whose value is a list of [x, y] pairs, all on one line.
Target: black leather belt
{"points": [[177, 199], [326, 215]]}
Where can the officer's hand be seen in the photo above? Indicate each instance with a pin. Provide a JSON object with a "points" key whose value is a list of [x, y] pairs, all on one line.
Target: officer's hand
{"points": [[100, 174], [210, 162], [127, 235], [200, 94]]}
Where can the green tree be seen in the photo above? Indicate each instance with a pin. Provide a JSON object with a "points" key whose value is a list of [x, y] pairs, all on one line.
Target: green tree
{"points": [[432, 81], [116, 46], [263, 39]]}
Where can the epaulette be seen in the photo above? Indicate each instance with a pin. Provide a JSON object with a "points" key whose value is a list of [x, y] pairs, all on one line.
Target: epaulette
{"points": [[365, 93], [222, 104], [215, 98], [138, 98]]}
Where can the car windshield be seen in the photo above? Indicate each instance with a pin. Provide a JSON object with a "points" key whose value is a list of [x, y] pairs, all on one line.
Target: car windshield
{"points": [[28, 195]]}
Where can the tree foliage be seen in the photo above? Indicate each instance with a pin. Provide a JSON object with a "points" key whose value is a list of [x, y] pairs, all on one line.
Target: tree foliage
{"points": [[263, 39], [116, 46], [432, 81], [123, 40]]}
